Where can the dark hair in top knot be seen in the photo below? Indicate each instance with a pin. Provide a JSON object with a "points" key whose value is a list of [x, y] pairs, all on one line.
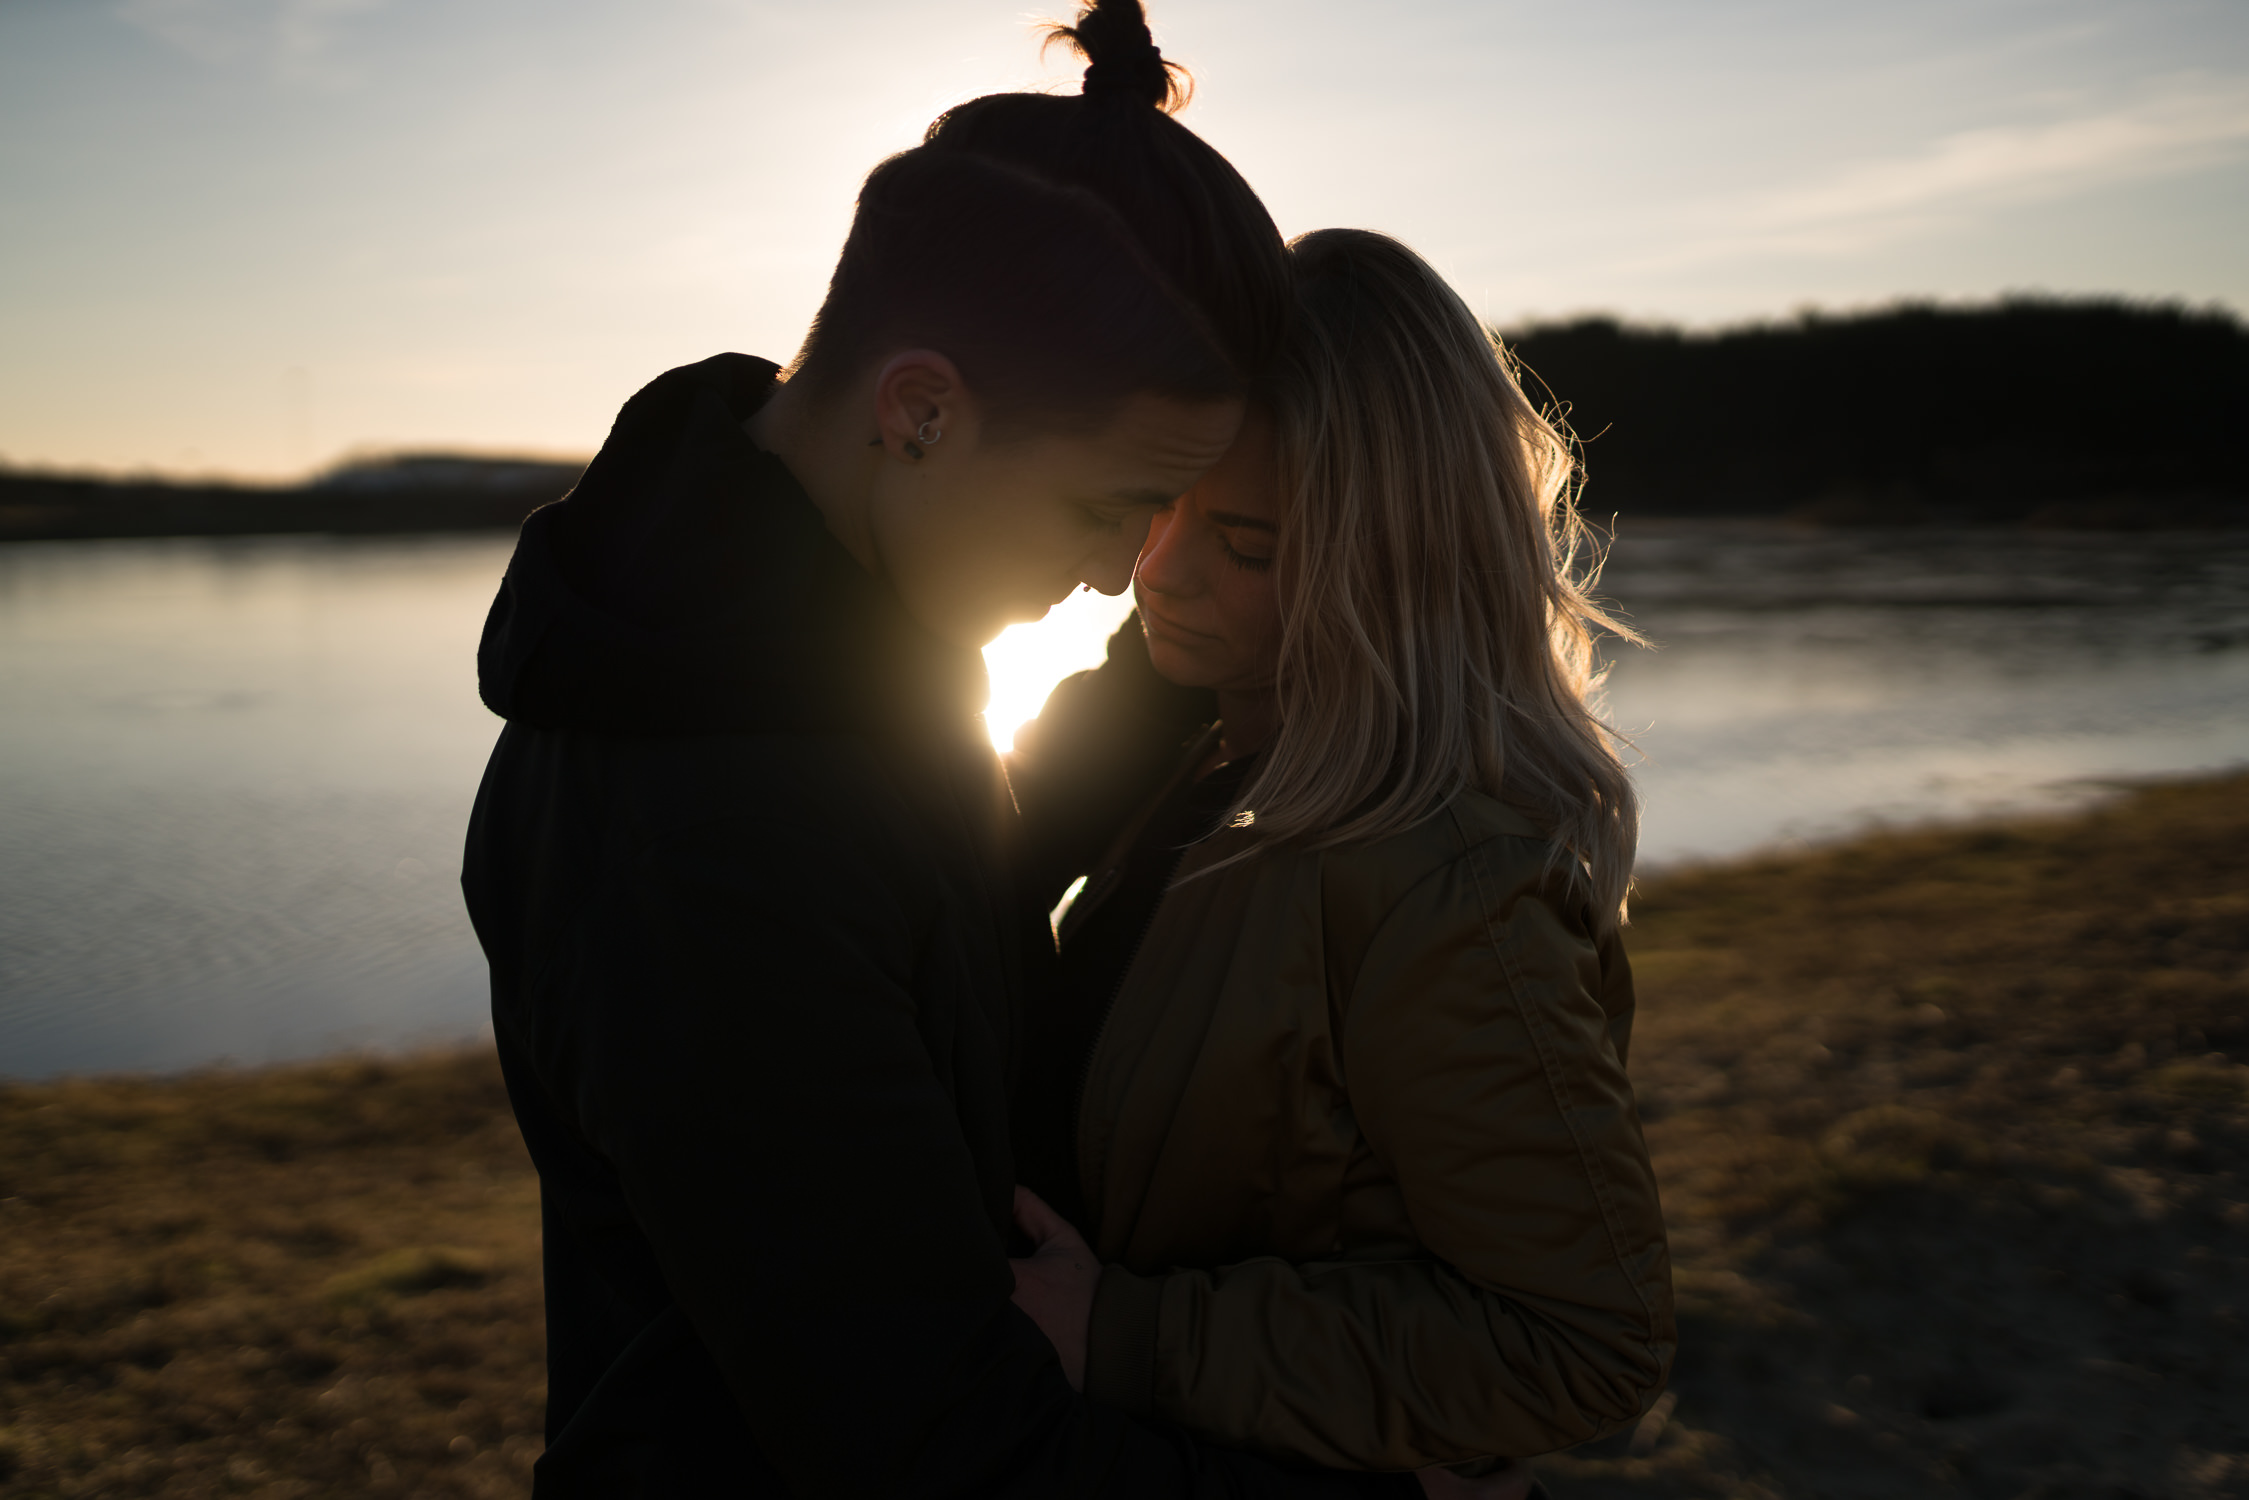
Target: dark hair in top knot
{"points": [[1121, 57], [1065, 250]]}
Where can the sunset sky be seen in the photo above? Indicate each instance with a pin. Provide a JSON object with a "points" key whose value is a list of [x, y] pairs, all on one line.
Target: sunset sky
{"points": [[245, 236]]}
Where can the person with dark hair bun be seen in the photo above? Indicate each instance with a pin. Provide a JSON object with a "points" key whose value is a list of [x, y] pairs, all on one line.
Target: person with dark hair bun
{"points": [[742, 860]]}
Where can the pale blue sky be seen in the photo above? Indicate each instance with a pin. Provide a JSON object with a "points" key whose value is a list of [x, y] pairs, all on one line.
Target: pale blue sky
{"points": [[245, 235]]}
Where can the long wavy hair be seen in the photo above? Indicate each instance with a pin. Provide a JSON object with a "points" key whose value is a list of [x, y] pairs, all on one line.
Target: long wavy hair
{"points": [[1434, 575]]}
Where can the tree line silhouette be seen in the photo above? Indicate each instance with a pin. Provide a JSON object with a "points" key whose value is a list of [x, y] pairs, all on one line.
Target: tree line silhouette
{"points": [[2099, 412], [396, 493], [2069, 412]]}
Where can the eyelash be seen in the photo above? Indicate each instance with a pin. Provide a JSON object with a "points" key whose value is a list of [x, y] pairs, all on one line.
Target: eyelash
{"points": [[1246, 562]]}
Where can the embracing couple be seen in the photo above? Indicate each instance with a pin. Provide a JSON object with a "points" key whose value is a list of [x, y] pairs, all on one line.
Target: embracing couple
{"points": [[1296, 1157]]}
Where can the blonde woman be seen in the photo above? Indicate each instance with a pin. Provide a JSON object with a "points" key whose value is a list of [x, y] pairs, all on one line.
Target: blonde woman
{"points": [[1334, 1078]]}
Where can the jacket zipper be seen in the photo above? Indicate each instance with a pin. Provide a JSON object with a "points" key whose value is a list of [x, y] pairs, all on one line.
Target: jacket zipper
{"points": [[1120, 853], [1100, 1034]]}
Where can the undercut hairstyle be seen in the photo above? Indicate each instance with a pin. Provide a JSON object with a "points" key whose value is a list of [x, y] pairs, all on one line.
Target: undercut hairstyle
{"points": [[1065, 251], [1435, 579]]}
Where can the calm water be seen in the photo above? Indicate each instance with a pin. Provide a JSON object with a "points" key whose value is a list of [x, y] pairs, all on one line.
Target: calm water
{"points": [[234, 776], [1806, 685]]}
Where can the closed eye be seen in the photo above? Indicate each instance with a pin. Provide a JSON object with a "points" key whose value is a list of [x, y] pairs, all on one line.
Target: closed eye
{"points": [[1244, 560], [1229, 521]]}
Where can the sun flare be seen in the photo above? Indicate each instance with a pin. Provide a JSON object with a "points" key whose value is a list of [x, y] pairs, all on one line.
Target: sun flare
{"points": [[1026, 661]]}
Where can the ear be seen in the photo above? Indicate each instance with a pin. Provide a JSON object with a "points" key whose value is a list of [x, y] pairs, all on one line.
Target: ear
{"points": [[920, 391]]}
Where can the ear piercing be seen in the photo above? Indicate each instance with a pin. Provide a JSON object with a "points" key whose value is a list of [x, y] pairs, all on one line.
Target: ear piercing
{"points": [[928, 432]]}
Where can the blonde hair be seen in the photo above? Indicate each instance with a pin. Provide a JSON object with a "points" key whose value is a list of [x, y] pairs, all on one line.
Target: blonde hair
{"points": [[1437, 628]]}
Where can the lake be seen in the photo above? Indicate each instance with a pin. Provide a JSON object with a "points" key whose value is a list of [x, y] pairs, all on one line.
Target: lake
{"points": [[234, 775]]}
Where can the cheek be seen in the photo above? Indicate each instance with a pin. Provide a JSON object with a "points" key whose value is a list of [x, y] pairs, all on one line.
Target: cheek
{"points": [[1253, 613], [1009, 535], [972, 561], [1175, 665], [1021, 518]]}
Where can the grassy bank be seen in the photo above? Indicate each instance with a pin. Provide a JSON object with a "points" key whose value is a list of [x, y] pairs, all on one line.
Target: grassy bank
{"points": [[305, 1281], [1953, 1130]]}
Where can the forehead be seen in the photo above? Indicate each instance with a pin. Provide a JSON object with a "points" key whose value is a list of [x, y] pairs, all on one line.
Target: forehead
{"points": [[1174, 439], [1243, 485]]}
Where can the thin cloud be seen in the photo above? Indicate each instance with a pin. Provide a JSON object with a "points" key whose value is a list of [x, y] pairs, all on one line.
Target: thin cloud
{"points": [[2185, 126], [2178, 132], [294, 39]]}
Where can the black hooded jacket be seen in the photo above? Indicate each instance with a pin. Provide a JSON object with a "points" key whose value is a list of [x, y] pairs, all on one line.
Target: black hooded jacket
{"points": [[741, 864]]}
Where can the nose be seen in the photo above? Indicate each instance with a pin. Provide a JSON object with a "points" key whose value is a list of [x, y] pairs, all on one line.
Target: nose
{"points": [[1109, 570], [1165, 565]]}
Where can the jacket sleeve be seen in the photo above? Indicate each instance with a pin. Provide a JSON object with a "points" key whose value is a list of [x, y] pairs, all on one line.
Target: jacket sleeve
{"points": [[1481, 1051], [776, 1118]]}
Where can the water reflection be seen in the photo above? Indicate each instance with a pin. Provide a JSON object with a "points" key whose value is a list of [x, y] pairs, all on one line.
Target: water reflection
{"points": [[1807, 684], [235, 775]]}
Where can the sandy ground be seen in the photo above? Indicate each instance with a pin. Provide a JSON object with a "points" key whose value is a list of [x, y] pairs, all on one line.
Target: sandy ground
{"points": [[1952, 1135]]}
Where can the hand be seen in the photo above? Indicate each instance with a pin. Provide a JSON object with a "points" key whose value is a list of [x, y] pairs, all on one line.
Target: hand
{"points": [[1510, 1483], [1055, 1285]]}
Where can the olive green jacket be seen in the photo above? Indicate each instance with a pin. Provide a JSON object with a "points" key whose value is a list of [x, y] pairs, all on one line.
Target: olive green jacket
{"points": [[1362, 1160]]}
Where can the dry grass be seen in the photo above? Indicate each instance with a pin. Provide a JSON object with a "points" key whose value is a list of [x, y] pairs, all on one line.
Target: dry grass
{"points": [[307, 1281], [1953, 1129]]}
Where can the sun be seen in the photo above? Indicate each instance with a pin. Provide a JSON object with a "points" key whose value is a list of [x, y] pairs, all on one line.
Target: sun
{"points": [[1026, 661]]}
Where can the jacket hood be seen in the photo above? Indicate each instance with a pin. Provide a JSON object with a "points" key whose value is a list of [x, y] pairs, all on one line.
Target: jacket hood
{"points": [[688, 585]]}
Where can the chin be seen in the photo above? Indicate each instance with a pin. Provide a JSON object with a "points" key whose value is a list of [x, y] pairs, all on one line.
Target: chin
{"points": [[1175, 665], [978, 622], [1015, 614], [972, 631]]}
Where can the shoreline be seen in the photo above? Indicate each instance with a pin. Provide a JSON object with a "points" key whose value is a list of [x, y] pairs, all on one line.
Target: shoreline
{"points": [[442, 494], [411, 493]]}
